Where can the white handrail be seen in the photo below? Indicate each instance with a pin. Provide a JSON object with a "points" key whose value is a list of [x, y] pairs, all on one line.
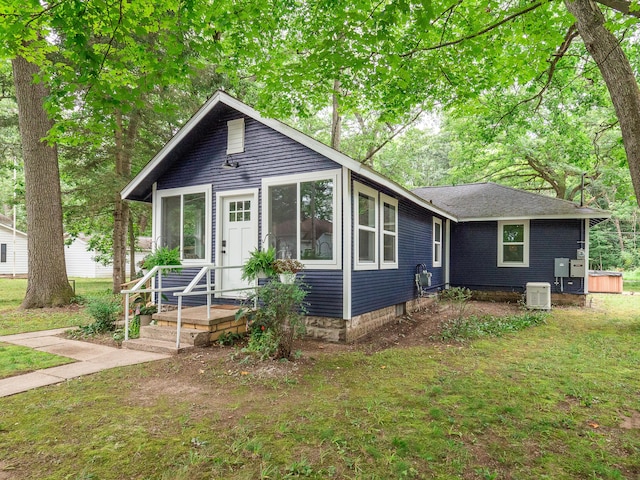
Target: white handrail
{"points": [[192, 289]]}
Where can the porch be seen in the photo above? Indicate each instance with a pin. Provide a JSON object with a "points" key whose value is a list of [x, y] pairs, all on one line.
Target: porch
{"points": [[198, 329]]}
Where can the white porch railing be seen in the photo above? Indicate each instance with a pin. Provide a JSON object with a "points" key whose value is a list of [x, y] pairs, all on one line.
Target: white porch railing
{"points": [[194, 288]]}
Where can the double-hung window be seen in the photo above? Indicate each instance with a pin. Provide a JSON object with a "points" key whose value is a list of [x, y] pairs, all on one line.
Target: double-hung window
{"points": [[437, 242], [184, 221], [389, 231], [513, 243], [302, 217], [375, 229]]}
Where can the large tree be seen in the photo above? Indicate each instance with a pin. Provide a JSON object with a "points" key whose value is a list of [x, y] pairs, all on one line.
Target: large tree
{"points": [[47, 281], [391, 56]]}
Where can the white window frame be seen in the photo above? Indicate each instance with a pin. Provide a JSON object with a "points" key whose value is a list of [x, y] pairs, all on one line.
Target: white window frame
{"points": [[235, 136], [386, 199], [524, 243], [359, 188], [436, 244], [333, 175], [157, 224]]}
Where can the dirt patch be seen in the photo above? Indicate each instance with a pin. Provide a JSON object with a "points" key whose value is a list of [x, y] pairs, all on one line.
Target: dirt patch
{"points": [[632, 422]]}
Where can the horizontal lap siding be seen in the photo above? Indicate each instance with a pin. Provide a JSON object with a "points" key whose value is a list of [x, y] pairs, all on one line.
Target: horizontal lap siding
{"points": [[474, 255], [267, 154], [376, 289]]}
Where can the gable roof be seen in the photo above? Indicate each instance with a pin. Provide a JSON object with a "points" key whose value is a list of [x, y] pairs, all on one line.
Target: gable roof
{"points": [[490, 201], [140, 187], [9, 228]]}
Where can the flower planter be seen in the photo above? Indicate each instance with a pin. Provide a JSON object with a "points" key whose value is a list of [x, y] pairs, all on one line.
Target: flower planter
{"points": [[287, 278]]}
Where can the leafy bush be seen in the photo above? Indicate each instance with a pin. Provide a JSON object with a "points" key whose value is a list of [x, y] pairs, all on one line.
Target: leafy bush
{"points": [[278, 321], [457, 298], [461, 329], [229, 339], [163, 256], [105, 310]]}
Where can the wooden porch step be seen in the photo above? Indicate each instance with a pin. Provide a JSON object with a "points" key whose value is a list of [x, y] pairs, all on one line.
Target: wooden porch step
{"points": [[188, 336], [156, 346], [198, 315]]}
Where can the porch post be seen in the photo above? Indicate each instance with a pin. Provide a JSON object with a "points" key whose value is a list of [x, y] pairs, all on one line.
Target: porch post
{"points": [[126, 316], [179, 322]]}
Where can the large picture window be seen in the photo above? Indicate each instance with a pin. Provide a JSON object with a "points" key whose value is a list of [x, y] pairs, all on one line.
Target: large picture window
{"points": [[513, 243], [301, 217], [184, 221]]}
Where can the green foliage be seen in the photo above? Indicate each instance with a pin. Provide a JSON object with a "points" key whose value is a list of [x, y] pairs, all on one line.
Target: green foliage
{"points": [[105, 311], [461, 329], [287, 265], [457, 298], [278, 321], [260, 262], [18, 360], [229, 339], [163, 256]]}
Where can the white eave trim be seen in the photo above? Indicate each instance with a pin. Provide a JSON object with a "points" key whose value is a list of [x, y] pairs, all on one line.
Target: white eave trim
{"points": [[278, 126], [534, 217]]}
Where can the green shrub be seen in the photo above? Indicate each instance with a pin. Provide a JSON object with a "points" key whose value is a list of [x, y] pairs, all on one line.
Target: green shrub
{"points": [[105, 310], [278, 320], [461, 329], [457, 298]]}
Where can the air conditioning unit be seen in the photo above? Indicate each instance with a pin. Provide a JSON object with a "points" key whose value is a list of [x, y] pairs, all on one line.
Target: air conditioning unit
{"points": [[539, 295]]}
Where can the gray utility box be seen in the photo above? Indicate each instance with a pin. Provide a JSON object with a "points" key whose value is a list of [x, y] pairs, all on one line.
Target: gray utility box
{"points": [[561, 267], [577, 268]]}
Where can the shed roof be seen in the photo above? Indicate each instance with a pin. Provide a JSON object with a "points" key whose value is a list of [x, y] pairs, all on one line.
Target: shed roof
{"points": [[490, 201]]}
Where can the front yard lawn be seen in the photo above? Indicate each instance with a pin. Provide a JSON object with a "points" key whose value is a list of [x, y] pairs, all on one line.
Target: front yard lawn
{"points": [[558, 400], [16, 360]]}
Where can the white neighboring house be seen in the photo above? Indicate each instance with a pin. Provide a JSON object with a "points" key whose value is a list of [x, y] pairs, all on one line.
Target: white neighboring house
{"points": [[81, 261], [13, 251]]}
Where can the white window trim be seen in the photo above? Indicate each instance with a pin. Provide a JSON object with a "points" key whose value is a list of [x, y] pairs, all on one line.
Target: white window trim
{"points": [[235, 136], [335, 176], [359, 188], [436, 242], [394, 203], [158, 195], [525, 243]]}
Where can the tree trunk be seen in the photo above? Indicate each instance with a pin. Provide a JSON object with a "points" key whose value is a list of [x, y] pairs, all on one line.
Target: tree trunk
{"points": [[124, 143], [336, 119], [47, 285], [618, 75]]}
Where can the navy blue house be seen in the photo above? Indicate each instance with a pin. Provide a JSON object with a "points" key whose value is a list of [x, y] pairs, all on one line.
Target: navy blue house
{"points": [[231, 181]]}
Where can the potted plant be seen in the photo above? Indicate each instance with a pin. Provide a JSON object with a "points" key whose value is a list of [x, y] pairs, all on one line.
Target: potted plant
{"points": [[145, 313], [287, 268], [162, 256], [259, 264]]}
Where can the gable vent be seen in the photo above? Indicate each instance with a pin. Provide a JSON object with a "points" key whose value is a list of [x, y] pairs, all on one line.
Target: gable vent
{"points": [[235, 138]]}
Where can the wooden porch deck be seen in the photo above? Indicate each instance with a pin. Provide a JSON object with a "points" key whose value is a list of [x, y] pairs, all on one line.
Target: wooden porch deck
{"points": [[221, 318]]}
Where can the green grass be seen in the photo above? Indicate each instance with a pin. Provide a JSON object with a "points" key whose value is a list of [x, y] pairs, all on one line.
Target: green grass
{"points": [[15, 360], [13, 320], [631, 281], [545, 402]]}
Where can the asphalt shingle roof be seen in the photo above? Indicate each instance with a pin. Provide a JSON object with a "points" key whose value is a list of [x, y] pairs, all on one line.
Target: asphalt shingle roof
{"points": [[485, 201]]}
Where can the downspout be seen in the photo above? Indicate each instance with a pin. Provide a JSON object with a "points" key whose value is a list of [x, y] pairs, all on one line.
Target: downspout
{"points": [[447, 253]]}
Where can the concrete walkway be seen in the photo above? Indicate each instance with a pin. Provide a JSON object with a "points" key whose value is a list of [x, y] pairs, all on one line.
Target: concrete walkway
{"points": [[91, 358]]}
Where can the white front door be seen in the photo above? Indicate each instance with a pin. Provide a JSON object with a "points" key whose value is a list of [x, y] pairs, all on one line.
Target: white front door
{"points": [[239, 236]]}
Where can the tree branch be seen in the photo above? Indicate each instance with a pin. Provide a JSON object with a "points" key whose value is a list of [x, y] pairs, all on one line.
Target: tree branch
{"points": [[620, 6], [375, 150], [562, 49], [478, 33]]}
